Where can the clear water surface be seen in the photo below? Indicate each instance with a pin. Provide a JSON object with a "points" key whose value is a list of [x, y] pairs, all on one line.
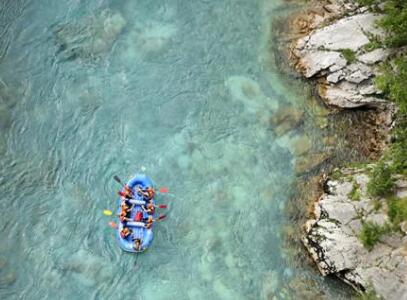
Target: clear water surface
{"points": [[183, 90]]}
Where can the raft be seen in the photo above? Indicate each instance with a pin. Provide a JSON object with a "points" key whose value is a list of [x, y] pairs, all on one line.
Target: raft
{"points": [[138, 230]]}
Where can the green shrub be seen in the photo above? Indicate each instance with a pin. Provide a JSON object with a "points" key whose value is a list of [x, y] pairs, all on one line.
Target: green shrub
{"points": [[349, 55], [395, 23], [355, 193], [397, 210], [369, 294], [371, 233], [393, 83], [381, 183]]}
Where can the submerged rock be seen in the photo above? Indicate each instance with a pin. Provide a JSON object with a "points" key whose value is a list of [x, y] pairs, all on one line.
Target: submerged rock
{"points": [[310, 162], [7, 280], [90, 37], [285, 119]]}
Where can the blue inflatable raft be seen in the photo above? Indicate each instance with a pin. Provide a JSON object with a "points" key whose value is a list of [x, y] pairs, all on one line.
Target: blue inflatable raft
{"points": [[139, 231]]}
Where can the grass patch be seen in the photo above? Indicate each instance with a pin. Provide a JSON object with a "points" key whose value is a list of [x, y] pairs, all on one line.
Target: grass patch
{"points": [[355, 193], [397, 210], [349, 55], [370, 294], [377, 204], [393, 83], [336, 174], [371, 233], [381, 182]]}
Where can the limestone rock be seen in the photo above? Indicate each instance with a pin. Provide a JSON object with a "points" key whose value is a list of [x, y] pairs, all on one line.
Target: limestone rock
{"points": [[347, 33], [332, 239], [346, 95], [315, 61], [335, 77], [374, 56]]}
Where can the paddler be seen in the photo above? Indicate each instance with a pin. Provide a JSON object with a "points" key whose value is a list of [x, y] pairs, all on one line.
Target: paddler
{"points": [[125, 232], [137, 244], [127, 193], [149, 208], [147, 193]]}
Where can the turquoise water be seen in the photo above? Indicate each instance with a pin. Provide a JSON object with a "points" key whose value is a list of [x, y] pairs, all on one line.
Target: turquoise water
{"points": [[181, 90]]}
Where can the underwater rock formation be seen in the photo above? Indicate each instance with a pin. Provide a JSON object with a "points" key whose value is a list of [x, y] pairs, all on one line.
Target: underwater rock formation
{"points": [[90, 37]]}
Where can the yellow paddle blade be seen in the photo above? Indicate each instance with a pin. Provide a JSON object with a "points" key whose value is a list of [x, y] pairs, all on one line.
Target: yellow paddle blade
{"points": [[107, 212]]}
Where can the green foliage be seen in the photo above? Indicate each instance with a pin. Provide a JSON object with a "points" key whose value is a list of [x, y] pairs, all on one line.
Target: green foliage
{"points": [[395, 23], [372, 45], [367, 2], [349, 55], [397, 210], [370, 294], [371, 233], [393, 83], [381, 182], [355, 193]]}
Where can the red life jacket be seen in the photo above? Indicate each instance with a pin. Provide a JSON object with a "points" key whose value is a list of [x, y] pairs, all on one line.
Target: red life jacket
{"points": [[138, 217]]}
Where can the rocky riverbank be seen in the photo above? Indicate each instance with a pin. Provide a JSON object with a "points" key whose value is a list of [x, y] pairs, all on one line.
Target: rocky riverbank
{"points": [[332, 236], [336, 45]]}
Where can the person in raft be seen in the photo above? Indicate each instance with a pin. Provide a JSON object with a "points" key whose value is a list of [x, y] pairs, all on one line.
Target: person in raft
{"points": [[137, 244], [124, 217], [125, 232], [126, 207], [127, 193], [149, 208], [147, 193], [148, 222]]}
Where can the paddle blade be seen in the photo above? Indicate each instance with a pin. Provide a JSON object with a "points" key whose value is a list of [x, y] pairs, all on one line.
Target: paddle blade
{"points": [[162, 206], [113, 224], [162, 217], [163, 190], [115, 177], [107, 212]]}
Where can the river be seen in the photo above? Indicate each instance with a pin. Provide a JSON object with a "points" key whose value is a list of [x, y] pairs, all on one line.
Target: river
{"points": [[180, 90]]}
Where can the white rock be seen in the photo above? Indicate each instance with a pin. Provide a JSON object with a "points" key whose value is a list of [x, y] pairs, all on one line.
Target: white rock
{"points": [[356, 77], [315, 61], [335, 77], [347, 33], [336, 248], [346, 95], [368, 90], [374, 56]]}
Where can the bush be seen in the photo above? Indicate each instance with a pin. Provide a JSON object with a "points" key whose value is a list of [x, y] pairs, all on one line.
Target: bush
{"points": [[355, 193], [381, 183], [349, 55], [368, 295], [397, 210], [395, 23], [392, 83], [371, 233]]}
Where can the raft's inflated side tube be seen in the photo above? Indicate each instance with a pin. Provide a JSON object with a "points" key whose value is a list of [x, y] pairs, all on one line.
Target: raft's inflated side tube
{"points": [[138, 228]]}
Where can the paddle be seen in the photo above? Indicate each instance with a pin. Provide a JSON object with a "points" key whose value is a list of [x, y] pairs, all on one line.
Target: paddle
{"points": [[107, 212], [162, 190], [160, 218], [113, 224]]}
